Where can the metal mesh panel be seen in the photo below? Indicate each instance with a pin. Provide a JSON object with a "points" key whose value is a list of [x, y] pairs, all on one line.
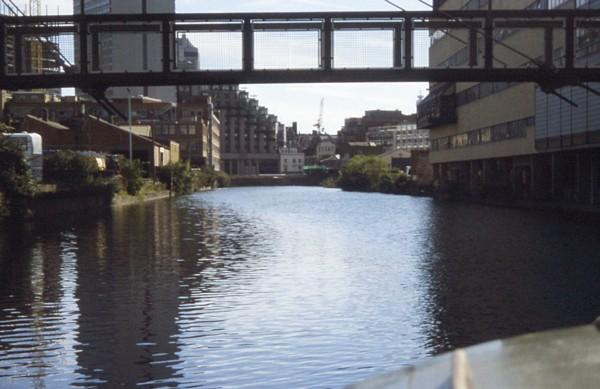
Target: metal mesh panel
{"points": [[420, 49], [363, 49], [216, 50], [129, 52], [286, 49]]}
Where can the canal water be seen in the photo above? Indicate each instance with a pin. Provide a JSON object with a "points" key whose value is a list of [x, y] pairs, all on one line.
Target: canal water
{"points": [[280, 288]]}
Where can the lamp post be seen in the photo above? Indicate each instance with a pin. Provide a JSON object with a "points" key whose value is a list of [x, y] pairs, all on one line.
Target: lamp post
{"points": [[130, 129]]}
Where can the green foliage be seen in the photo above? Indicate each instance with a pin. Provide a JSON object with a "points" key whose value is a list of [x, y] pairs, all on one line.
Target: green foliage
{"points": [[386, 183], [71, 169], [180, 178], [133, 175], [15, 175], [401, 182], [369, 174], [330, 182], [363, 173], [223, 179]]}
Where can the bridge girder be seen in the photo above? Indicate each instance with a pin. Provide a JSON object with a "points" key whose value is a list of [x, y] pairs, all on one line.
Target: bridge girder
{"points": [[85, 30]]}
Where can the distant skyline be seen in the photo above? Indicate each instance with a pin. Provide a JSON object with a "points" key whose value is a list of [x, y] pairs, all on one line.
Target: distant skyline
{"points": [[301, 102]]}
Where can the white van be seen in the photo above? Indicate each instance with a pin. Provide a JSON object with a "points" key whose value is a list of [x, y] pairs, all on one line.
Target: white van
{"points": [[31, 144]]}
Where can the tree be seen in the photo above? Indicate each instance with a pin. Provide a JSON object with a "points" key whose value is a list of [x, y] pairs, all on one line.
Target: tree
{"points": [[133, 174], [16, 181], [363, 173]]}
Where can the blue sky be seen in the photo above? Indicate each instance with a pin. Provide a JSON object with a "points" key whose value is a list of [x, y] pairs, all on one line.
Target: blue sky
{"points": [[300, 102]]}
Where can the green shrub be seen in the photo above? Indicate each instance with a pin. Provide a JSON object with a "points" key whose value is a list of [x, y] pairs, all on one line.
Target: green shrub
{"points": [[71, 169], [223, 179], [401, 182], [386, 183], [133, 175], [185, 180], [362, 173], [178, 177], [15, 175], [329, 182]]}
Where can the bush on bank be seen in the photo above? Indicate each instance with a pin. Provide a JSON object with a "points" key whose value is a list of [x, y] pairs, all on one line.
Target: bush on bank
{"points": [[181, 179], [68, 168], [362, 173], [16, 180], [132, 174], [370, 174]]}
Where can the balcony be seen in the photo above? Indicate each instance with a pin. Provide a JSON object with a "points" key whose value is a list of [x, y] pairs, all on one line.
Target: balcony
{"points": [[438, 108]]}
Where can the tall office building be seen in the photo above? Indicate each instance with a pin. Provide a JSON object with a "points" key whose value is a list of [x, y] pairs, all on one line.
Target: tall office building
{"points": [[131, 52]]}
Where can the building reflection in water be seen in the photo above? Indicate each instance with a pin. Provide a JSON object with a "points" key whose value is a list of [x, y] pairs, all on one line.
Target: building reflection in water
{"points": [[494, 273], [128, 297], [38, 310], [110, 296]]}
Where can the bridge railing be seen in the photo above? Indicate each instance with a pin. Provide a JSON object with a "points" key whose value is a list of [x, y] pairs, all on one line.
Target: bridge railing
{"points": [[163, 49]]}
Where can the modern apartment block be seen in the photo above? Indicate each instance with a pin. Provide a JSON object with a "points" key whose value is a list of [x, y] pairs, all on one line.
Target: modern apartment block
{"points": [[512, 140], [355, 129], [132, 52], [400, 136], [248, 131]]}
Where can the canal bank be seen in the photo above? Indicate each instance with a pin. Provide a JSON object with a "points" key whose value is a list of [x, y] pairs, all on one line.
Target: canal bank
{"points": [[56, 203]]}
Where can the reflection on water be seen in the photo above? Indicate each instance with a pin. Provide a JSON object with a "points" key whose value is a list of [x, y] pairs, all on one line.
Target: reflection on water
{"points": [[279, 287]]}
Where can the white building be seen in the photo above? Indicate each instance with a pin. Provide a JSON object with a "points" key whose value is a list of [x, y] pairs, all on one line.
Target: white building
{"points": [[290, 161], [325, 149], [404, 136], [131, 52]]}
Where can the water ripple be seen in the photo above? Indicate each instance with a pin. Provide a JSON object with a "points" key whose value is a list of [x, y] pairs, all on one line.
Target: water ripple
{"points": [[279, 287]]}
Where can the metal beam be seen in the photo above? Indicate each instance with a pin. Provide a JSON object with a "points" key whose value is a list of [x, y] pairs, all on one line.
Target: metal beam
{"points": [[462, 15], [42, 30], [287, 26], [403, 23], [294, 76], [327, 45], [248, 46], [125, 28], [209, 27]]}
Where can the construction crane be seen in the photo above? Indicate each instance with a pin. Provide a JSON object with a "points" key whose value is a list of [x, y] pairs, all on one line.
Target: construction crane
{"points": [[319, 124]]}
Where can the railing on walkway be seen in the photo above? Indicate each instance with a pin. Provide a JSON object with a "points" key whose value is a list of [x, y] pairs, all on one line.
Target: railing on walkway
{"points": [[183, 49]]}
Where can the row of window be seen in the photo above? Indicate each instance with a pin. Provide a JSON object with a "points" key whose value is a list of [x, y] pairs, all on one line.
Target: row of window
{"points": [[171, 129], [499, 132], [481, 90]]}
